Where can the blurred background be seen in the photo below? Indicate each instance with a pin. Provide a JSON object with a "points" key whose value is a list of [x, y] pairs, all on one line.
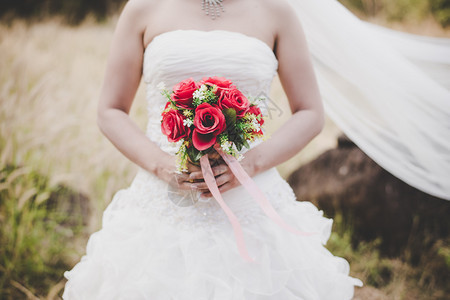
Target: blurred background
{"points": [[58, 173]]}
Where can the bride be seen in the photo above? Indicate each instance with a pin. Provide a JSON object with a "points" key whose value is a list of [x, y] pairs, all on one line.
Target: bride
{"points": [[151, 248]]}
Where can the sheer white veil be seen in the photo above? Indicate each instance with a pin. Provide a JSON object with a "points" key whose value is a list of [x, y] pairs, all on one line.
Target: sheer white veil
{"points": [[388, 91]]}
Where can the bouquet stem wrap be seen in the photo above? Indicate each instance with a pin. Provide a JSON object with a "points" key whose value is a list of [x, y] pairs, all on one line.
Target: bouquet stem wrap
{"points": [[248, 183]]}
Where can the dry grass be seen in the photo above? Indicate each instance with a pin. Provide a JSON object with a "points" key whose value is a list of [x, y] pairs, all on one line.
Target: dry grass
{"points": [[428, 26], [50, 78]]}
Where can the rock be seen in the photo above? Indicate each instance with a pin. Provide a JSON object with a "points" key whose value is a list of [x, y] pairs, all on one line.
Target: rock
{"points": [[374, 202]]}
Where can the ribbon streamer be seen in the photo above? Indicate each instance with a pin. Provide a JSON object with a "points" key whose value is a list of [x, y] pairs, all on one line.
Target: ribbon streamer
{"points": [[248, 183], [212, 185]]}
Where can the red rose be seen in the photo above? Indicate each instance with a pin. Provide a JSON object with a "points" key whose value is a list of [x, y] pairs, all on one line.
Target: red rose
{"points": [[183, 93], [209, 122], [253, 109], [220, 82], [172, 126], [167, 106], [234, 99]]}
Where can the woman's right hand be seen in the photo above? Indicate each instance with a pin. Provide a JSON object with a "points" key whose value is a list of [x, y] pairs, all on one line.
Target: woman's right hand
{"points": [[183, 180], [175, 178]]}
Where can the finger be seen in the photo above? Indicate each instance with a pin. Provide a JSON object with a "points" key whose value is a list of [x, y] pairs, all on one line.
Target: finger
{"points": [[179, 178], [220, 169], [227, 186], [198, 175], [214, 155], [182, 185], [184, 178], [215, 162], [188, 186], [192, 167], [224, 178], [203, 191], [181, 181], [200, 186], [206, 195], [222, 189]]}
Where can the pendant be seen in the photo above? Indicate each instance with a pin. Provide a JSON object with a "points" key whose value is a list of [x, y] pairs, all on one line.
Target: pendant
{"points": [[213, 8]]}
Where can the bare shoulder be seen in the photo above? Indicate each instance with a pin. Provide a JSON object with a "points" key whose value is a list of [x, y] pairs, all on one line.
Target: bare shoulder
{"points": [[281, 16], [280, 10], [139, 10]]}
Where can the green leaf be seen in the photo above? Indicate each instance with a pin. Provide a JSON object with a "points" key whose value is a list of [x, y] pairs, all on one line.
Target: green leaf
{"points": [[245, 143], [230, 117], [194, 154], [240, 141]]}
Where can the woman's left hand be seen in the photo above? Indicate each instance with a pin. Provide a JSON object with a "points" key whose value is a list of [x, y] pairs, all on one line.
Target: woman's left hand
{"points": [[225, 179]]}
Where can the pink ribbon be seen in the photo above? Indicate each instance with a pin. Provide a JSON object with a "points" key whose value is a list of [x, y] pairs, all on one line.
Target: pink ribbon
{"points": [[248, 183], [212, 185]]}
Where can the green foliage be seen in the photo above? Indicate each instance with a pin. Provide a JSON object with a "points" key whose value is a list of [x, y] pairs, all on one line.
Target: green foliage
{"points": [[369, 8], [208, 95], [444, 252], [425, 279], [33, 241], [441, 11], [401, 10], [230, 117], [74, 11], [194, 154], [365, 258]]}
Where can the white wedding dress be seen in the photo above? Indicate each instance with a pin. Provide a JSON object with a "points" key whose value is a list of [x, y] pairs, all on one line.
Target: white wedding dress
{"points": [[150, 248]]}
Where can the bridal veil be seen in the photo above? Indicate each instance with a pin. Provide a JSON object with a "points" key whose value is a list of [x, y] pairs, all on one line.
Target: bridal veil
{"points": [[388, 91]]}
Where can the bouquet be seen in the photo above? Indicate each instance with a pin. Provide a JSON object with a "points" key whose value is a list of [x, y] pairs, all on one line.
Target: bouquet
{"points": [[212, 111], [213, 115]]}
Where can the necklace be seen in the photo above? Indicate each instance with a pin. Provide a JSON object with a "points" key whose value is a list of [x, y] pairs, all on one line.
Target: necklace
{"points": [[212, 8]]}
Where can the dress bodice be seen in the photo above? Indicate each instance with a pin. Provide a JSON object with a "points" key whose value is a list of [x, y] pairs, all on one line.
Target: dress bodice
{"points": [[180, 54]]}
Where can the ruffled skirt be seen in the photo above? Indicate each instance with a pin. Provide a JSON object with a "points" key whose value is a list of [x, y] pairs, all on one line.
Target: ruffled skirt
{"points": [[150, 248]]}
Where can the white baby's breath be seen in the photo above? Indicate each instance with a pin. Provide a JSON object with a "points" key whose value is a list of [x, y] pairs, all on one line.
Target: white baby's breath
{"points": [[198, 94], [256, 126], [226, 146], [161, 86], [188, 122]]}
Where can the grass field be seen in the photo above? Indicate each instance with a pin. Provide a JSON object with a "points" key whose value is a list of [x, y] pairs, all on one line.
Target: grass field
{"points": [[50, 76]]}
